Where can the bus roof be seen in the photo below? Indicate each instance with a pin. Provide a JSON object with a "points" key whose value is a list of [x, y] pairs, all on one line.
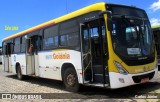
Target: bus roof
{"points": [[93, 7]]}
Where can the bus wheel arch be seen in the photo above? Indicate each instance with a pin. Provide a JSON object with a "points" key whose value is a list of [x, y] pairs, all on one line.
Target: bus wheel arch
{"points": [[19, 71], [69, 77], [16, 67]]}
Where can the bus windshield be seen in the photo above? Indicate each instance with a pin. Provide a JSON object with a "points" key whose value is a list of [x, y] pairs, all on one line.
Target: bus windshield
{"points": [[132, 37]]}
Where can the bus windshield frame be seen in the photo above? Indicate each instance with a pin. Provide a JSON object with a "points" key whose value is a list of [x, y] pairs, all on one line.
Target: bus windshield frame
{"points": [[131, 35]]}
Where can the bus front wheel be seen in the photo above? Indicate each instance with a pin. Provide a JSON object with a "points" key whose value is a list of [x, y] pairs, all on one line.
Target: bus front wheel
{"points": [[19, 73], [70, 80]]}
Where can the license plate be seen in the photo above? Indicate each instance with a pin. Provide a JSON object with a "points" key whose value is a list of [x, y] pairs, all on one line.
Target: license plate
{"points": [[144, 80]]}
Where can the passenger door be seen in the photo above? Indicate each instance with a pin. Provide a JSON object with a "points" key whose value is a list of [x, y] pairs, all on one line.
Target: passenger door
{"points": [[7, 49], [86, 54], [32, 56], [6, 58], [94, 52]]}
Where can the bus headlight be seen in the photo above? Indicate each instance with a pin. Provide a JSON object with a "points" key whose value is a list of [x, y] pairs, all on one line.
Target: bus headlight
{"points": [[120, 68]]}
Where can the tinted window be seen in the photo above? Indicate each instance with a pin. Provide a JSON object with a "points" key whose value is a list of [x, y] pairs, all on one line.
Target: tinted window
{"points": [[23, 41], [51, 31], [63, 40], [126, 10], [51, 37], [17, 41], [69, 39], [69, 33], [17, 45], [4, 49], [48, 42]]}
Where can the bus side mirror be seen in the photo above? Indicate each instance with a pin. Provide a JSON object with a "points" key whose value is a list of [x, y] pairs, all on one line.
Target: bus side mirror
{"points": [[109, 13], [109, 20], [26, 37], [109, 24]]}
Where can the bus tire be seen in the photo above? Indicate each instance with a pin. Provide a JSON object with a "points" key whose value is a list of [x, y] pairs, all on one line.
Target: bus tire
{"points": [[70, 80], [19, 73]]}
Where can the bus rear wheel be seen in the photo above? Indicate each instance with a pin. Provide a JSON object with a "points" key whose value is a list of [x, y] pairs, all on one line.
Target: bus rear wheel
{"points": [[70, 80], [19, 73]]}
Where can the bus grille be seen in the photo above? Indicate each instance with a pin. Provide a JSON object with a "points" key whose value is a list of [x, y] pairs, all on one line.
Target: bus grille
{"points": [[137, 79]]}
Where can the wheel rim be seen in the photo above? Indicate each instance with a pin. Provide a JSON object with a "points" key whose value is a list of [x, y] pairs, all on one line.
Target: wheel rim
{"points": [[71, 80]]}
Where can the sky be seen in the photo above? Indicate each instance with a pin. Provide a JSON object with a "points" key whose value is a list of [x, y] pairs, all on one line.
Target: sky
{"points": [[29, 13]]}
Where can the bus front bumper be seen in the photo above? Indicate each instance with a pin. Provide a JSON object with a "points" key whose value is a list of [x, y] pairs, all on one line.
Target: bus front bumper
{"points": [[118, 80]]}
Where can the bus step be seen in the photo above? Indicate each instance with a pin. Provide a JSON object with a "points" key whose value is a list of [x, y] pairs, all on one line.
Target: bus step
{"points": [[98, 78], [97, 69], [98, 84]]}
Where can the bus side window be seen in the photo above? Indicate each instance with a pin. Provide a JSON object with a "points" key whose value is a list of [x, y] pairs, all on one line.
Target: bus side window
{"points": [[40, 43], [6, 50], [17, 45], [23, 44], [29, 46], [30, 49], [50, 37]]}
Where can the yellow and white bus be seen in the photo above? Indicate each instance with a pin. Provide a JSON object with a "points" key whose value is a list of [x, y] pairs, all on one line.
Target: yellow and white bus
{"points": [[104, 45]]}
